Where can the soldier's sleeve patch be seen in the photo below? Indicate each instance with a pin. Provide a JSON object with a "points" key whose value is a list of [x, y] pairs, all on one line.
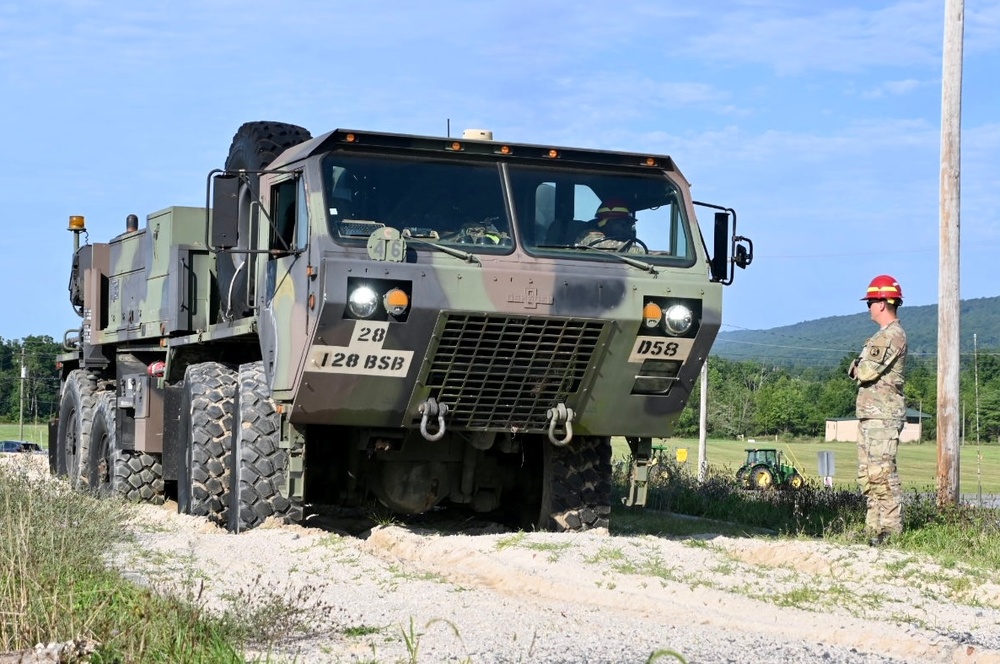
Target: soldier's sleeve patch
{"points": [[875, 352]]}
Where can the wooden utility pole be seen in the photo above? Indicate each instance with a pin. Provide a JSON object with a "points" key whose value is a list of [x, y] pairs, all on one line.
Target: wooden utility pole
{"points": [[949, 294], [24, 377]]}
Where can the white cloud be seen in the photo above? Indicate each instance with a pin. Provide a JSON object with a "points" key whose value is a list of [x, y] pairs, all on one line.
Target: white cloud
{"points": [[897, 88]]}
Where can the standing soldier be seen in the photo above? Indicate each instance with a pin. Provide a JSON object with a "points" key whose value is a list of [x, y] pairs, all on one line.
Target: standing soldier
{"points": [[881, 409]]}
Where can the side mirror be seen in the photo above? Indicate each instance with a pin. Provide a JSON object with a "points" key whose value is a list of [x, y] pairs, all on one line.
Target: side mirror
{"points": [[720, 244], [744, 252], [225, 211]]}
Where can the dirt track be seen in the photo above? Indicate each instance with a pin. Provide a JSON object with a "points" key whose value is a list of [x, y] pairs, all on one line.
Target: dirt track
{"points": [[478, 594], [485, 596]]}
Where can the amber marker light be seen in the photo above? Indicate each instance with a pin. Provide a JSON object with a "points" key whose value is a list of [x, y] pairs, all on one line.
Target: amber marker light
{"points": [[350, 138], [505, 149], [396, 302], [553, 154], [77, 223], [456, 146], [650, 161], [651, 314]]}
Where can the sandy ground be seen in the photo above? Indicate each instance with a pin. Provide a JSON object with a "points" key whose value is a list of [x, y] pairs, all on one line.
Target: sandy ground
{"points": [[499, 596], [479, 594]]}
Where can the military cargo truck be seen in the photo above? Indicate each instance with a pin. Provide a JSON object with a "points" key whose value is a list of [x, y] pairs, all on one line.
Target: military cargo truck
{"points": [[364, 316]]}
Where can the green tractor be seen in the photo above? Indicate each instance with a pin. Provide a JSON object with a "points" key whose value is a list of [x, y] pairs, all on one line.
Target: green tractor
{"points": [[766, 469]]}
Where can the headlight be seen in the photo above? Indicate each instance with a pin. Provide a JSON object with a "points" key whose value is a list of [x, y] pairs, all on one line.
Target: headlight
{"points": [[363, 302], [677, 320]]}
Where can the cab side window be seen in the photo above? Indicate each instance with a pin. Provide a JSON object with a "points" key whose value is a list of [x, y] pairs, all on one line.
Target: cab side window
{"points": [[284, 216]]}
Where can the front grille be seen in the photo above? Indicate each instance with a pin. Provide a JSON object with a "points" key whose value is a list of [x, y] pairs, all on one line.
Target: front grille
{"points": [[504, 372]]}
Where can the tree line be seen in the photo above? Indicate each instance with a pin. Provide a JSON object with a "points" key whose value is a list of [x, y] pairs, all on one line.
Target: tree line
{"points": [[745, 397], [41, 379], [752, 398]]}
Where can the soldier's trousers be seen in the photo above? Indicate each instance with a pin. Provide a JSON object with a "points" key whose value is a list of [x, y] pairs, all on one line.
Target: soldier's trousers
{"points": [[877, 445]]}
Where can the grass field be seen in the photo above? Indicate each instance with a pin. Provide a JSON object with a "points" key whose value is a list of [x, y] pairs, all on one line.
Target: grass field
{"points": [[917, 463], [33, 433]]}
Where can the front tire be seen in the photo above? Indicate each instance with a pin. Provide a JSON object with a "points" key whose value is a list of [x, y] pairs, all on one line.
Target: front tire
{"points": [[203, 479], [763, 479], [576, 491], [260, 464], [77, 407]]}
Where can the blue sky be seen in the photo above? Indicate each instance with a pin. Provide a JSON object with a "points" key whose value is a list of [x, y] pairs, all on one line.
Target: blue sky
{"points": [[819, 122]]}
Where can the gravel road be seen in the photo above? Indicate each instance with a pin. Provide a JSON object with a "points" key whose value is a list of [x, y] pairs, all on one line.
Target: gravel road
{"points": [[480, 595]]}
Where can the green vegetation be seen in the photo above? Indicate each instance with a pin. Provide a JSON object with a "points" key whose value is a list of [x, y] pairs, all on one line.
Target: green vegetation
{"points": [[951, 535], [789, 380], [756, 399], [821, 342], [34, 433], [55, 585], [41, 386], [979, 465]]}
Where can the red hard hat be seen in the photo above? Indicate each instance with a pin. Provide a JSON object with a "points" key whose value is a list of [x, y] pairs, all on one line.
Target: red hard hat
{"points": [[884, 287]]}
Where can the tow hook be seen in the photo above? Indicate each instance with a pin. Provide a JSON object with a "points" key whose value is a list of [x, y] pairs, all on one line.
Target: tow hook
{"points": [[428, 409], [560, 415]]}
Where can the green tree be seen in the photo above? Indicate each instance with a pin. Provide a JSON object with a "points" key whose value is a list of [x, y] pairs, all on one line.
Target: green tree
{"points": [[41, 378], [781, 406]]}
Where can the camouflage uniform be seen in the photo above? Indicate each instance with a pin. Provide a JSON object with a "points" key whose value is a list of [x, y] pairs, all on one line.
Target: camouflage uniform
{"points": [[614, 234], [881, 411]]}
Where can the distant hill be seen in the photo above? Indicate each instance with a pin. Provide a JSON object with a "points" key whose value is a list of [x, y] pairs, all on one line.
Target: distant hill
{"points": [[826, 341]]}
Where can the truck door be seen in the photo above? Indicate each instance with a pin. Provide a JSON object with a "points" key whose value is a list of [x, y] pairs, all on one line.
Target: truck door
{"points": [[284, 288]]}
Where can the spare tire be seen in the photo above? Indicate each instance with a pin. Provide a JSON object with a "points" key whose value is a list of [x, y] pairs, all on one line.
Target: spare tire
{"points": [[254, 147], [257, 144]]}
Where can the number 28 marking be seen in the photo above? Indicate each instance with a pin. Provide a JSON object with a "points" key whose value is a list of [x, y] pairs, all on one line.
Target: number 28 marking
{"points": [[376, 335]]}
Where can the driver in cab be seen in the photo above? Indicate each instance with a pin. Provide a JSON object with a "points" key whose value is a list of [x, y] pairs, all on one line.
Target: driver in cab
{"points": [[613, 228]]}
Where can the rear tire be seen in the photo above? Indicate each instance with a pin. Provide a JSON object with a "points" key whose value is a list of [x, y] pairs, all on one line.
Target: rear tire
{"points": [[77, 407], [135, 476], [104, 452], [743, 478], [260, 465], [203, 478], [576, 491]]}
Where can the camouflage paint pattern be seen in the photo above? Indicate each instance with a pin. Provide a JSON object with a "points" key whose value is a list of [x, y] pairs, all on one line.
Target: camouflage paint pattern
{"points": [[881, 409], [502, 336]]}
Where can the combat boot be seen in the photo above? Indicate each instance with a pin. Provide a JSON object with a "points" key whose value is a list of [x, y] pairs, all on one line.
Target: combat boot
{"points": [[879, 539]]}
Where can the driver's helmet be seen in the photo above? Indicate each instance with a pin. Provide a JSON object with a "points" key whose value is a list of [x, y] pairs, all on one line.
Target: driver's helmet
{"points": [[614, 219]]}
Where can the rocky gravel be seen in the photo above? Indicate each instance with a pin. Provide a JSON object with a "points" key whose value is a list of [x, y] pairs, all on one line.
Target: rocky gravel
{"points": [[479, 594]]}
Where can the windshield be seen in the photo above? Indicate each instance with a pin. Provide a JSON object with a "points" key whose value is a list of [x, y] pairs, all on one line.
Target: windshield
{"points": [[560, 211], [451, 203], [624, 212]]}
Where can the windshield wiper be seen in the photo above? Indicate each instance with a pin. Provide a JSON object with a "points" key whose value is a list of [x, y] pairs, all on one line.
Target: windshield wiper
{"points": [[451, 251], [624, 258]]}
